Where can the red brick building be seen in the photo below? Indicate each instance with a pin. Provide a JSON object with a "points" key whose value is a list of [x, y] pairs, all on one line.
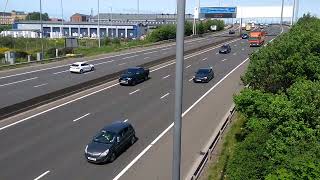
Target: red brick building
{"points": [[79, 18]]}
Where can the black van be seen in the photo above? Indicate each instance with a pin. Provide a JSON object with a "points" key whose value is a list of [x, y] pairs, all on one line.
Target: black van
{"points": [[110, 142]]}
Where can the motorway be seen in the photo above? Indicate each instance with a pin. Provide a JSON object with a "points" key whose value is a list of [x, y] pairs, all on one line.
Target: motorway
{"points": [[48, 142], [23, 84]]}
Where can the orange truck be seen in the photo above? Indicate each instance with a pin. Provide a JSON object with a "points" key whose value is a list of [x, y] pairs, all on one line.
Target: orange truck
{"points": [[257, 38]]}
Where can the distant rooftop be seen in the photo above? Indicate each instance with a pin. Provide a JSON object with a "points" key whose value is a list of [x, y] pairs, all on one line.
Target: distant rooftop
{"points": [[120, 16]]}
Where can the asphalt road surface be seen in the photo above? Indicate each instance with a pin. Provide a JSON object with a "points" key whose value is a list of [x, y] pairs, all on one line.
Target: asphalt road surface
{"points": [[23, 84], [49, 142]]}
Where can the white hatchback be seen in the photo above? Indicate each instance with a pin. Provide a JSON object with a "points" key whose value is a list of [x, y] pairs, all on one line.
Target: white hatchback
{"points": [[81, 67]]}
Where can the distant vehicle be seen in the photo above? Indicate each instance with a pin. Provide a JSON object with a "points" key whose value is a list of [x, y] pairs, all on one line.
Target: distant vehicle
{"points": [[244, 36], [257, 38], [134, 75], [243, 26], [110, 142], [248, 27], [232, 31], [204, 75], [81, 67], [225, 49]]}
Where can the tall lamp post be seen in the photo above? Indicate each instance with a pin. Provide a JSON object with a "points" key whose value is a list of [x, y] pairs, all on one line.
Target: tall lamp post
{"points": [[98, 31], [62, 20], [41, 31], [181, 5]]}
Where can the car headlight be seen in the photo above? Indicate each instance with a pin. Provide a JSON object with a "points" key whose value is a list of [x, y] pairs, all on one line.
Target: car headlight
{"points": [[129, 79], [205, 78], [104, 153], [194, 76], [86, 149]]}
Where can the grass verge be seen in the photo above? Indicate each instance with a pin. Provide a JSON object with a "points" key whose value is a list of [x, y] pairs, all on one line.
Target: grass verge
{"points": [[216, 170]]}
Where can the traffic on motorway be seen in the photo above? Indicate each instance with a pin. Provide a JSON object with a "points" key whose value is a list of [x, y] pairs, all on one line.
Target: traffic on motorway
{"points": [[96, 137]]}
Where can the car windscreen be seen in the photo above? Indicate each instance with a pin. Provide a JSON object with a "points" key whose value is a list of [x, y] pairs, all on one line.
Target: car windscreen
{"points": [[132, 71], [104, 137], [224, 47], [253, 38], [74, 65], [203, 71]]}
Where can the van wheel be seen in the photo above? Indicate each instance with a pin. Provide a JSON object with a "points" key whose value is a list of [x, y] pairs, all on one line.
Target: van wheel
{"points": [[146, 78], [92, 69], [133, 83], [81, 71]]}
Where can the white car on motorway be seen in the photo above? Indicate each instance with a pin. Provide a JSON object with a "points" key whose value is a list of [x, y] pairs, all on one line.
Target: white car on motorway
{"points": [[81, 67]]}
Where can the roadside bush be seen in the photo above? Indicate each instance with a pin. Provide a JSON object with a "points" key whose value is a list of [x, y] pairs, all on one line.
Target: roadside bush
{"points": [[281, 136], [106, 41], [7, 42], [51, 53], [116, 41], [21, 54]]}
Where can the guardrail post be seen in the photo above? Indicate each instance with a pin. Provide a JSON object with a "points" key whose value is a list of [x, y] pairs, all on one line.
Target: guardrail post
{"points": [[39, 56]]}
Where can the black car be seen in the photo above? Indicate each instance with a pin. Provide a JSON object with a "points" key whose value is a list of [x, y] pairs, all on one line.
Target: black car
{"points": [[232, 31], [244, 36], [134, 75], [111, 141], [225, 49], [203, 75]]}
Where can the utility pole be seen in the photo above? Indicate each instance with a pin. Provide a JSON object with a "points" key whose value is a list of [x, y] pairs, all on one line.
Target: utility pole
{"points": [[111, 22], [293, 12], [181, 5], [281, 20], [194, 28], [138, 6], [297, 10], [98, 31], [41, 31], [62, 20]]}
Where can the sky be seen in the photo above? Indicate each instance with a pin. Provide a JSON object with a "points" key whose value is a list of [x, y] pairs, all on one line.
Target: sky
{"points": [[53, 8]]}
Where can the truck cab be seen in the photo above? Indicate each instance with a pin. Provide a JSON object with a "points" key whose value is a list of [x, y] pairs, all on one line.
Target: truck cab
{"points": [[257, 38]]}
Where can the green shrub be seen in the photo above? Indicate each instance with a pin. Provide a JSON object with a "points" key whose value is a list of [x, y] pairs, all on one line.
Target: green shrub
{"points": [[116, 41]]}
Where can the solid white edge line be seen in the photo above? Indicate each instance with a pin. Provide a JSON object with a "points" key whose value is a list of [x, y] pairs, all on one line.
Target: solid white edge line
{"points": [[95, 92], [122, 64], [134, 91], [165, 95], [42, 175], [130, 56], [172, 124], [204, 59], [188, 66], [150, 52], [224, 60], [81, 117], [190, 79], [40, 85], [103, 63], [16, 82]]}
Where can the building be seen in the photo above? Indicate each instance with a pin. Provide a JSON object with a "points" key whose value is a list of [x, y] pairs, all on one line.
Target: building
{"points": [[145, 19], [80, 18], [83, 29], [11, 17], [21, 33]]}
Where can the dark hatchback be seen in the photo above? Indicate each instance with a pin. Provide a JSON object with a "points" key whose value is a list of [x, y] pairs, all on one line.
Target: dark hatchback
{"points": [[110, 142], [244, 36], [225, 49], [203, 75], [134, 75]]}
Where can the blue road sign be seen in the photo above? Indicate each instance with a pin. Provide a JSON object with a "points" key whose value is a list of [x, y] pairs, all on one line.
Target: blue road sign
{"points": [[218, 10]]}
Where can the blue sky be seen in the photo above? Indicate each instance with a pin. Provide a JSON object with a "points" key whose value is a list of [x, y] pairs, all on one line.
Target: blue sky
{"points": [[146, 6]]}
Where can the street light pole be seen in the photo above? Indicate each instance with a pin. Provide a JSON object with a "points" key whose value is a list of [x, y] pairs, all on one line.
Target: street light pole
{"points": [[281, 21], [62, 20], [98, 31], [181, 5], [41, 31], [138, 6], [111, 22], [293, 12]]}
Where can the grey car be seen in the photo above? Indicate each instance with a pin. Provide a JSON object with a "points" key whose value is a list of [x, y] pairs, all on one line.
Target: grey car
{"points": [[110, 142]]}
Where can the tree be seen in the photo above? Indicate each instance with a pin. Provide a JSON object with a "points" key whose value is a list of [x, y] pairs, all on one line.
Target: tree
{"points": [[201, 27], [4, 27], [35, 16]]}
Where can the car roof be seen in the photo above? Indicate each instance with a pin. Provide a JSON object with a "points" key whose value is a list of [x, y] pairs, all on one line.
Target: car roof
{"points": [[134, 68], [116, 127]]}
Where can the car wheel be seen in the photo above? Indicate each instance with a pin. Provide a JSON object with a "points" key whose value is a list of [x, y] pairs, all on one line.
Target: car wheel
{"points": [[133, 83], [92, 69], [133, 140], [112, 157], [146, 78], [81, 71]]}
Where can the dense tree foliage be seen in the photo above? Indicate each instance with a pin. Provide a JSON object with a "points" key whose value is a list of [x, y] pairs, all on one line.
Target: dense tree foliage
{"points": [[4, 27], [281, 137], [35, 16]]}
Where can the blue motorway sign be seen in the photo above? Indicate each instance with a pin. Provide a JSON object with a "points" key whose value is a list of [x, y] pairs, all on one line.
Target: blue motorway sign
{"points": [[217, 10]]}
